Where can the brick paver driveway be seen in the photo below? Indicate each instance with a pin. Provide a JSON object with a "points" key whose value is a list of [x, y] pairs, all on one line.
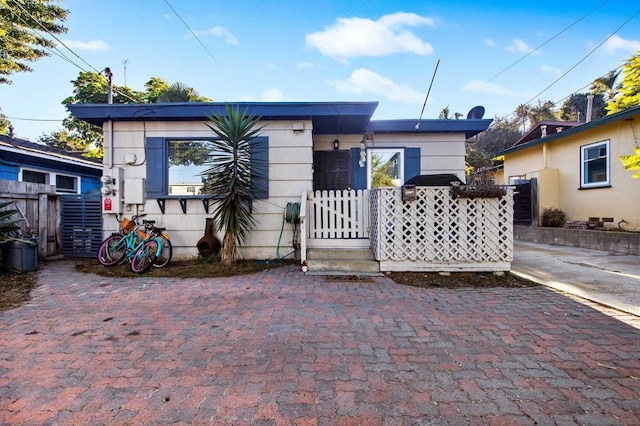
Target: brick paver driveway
{"points": [[282, 348]]}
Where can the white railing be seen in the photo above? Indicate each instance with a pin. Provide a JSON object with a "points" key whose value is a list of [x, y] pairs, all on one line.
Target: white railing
{"points": [[438, 232]]}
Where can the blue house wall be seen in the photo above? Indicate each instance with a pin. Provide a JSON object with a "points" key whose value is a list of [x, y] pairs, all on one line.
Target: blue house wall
{"points": [[16, 154]]}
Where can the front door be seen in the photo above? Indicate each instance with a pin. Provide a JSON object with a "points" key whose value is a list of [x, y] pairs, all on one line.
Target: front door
{"points": [[332, 170]]}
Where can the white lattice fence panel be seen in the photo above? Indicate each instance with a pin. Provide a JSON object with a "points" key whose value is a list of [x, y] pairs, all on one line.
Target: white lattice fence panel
{"points": [[440, 229], [339, 214]]}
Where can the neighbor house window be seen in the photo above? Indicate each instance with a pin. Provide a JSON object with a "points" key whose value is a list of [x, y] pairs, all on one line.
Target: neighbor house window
{"points": [[64, 183], [385, 167], [594, 159]]}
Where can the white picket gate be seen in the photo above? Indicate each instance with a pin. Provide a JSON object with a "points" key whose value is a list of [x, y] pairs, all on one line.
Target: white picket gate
{"points": [[338, 217]]}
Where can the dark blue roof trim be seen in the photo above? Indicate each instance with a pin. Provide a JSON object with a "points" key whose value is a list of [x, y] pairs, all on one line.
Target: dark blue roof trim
{"points": [[626, 114], [469, 127], [327, 117]]}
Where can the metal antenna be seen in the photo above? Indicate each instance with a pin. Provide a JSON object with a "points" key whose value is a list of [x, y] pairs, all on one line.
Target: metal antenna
{"points": [[428, 91], [124, 63]]}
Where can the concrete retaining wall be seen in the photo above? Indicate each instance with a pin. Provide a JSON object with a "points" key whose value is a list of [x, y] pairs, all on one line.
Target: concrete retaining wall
{"points": [[610, 241]]}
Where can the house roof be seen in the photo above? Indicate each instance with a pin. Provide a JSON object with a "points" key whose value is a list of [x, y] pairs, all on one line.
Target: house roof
{"points": [[551, 127], [631, 112], [470, 127], [8, 143], [327, 117]]}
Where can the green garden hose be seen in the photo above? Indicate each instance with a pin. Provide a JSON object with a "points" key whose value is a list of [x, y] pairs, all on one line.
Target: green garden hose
{"points": [[291, 215]]}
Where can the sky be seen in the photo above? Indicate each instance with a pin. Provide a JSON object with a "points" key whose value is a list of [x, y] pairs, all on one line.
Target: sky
{"points": [[497, 54]]}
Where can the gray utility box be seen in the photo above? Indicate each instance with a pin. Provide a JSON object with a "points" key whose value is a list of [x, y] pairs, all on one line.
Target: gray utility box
{"points": [[20, 255]]}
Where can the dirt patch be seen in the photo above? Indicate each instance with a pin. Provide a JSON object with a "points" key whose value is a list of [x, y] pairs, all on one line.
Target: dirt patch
{"points": [[15, 289], [460, 280]]}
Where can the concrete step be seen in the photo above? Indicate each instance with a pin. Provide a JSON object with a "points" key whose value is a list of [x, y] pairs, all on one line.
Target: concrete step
{"points": [[337, 266], [340, 254]]}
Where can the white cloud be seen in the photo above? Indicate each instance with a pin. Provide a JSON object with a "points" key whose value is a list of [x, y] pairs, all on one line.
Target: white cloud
{"points": [[273, 95], [220, 32], [270, 95], [363, 81], [616, 43], [489, 42], [519, 46], [479, 86], [87, 45], [550, 70], [354, 37]]}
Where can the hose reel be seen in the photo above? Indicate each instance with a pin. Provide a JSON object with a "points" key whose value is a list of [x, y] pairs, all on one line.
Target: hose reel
{"points": [[292, 216]]}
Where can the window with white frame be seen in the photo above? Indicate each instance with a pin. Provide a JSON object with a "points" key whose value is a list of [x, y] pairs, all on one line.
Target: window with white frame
{"points": [[66, 184], [385, 167], [594, 161]]}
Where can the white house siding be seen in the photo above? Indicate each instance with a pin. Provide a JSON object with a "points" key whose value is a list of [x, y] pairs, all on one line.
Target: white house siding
{"points": [[439, 152], [290, 173]]}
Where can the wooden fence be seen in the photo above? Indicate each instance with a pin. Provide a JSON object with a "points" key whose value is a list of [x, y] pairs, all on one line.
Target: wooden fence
{"points": [[40, 206]]}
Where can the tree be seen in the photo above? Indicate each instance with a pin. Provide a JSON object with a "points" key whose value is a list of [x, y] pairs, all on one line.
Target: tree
{"points": [[230, 174], [21, 25], [629, 93], [575, 107], [92, 88], [606, 85], [632, 162], [4, 124], [444, 114], [180, 92]]}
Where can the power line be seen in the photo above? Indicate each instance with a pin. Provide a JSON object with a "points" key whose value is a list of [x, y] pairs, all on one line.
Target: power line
{"points": [[124, 95], [546, 42], [32, 119], [190, 30], [584, 57]]}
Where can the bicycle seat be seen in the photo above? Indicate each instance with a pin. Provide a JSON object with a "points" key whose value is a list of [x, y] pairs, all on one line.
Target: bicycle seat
{"points": [[159, 229], [150, 222]]}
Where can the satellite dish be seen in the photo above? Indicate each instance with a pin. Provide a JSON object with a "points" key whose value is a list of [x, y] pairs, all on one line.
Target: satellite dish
{"points": [[476, 113]]}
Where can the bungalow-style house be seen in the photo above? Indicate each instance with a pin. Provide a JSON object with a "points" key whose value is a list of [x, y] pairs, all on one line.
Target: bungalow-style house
{"points": [[46, 184], [313, 150], [578, 170], [69, 173]]}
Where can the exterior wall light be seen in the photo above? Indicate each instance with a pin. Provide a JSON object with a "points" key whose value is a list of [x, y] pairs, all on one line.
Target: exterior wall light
{"points": [[336, 144]]}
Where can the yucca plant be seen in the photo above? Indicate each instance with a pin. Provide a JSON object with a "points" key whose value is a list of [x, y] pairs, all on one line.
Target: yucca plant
{"points": [[230, 174]]}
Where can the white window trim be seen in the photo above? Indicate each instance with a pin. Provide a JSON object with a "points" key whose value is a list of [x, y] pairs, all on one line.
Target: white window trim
{"points": [[583, 149], [51, 179]]}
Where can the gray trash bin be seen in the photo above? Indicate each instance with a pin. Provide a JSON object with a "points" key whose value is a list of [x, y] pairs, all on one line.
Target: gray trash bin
{"points": [[20, 255]]}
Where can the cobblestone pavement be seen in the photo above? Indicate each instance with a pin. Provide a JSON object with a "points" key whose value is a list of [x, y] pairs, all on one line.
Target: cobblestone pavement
{"points": [[279, 347]]}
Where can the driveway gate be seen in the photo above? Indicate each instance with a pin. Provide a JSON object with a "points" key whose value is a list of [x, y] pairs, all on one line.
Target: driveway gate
{"points": [[81, 225]]}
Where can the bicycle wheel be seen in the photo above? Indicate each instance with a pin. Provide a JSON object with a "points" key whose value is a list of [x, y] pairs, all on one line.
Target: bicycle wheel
{"points": [[165, 252], [112, 250], [144, 257]]}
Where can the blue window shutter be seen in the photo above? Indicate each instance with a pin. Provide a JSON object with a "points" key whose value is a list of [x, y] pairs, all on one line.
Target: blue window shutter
{"points": [[411, 163], [358, 174], [157, 159], [260, 167]]}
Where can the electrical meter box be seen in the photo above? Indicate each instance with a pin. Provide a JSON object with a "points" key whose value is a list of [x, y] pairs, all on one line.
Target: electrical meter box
{"points": [[112, 185], [134, 191]]}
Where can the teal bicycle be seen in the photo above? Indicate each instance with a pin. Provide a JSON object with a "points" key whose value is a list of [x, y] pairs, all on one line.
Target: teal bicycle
{"points": [[141, 248]]}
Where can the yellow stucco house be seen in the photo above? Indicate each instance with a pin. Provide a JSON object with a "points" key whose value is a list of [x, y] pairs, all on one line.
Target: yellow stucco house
{"points": [[577, 168]]}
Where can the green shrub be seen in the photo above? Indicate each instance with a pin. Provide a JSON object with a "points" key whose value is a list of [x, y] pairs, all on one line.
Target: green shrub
{"points": [[553, 218]]}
